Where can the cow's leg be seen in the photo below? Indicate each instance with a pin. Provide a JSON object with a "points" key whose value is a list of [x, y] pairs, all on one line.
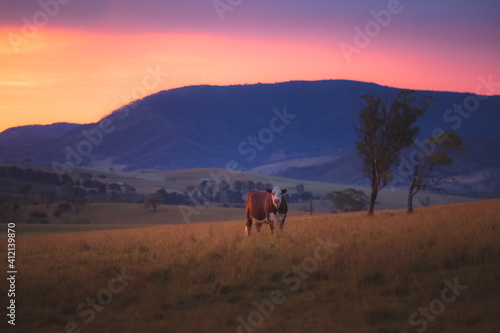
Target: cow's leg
{"points": [[282, 222], [259, 225], [248, 227], [271, 225]]}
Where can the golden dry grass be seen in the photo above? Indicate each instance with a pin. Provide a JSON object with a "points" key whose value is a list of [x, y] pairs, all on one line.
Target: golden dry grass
{"points": [[202, 277]]}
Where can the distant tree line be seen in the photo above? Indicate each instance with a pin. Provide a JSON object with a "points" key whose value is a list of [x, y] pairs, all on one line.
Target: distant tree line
{"points": [[210, 191], [348, 200], [72, 196], [153, 200], [301, 195], [34, 176], [173, 198]]}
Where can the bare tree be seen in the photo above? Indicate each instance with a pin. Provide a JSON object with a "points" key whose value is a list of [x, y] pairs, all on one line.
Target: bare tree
{"points": [[428, 170]]}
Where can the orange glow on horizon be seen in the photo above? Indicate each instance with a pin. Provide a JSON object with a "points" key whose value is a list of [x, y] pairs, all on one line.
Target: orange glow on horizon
{"points": [[78, 76]]}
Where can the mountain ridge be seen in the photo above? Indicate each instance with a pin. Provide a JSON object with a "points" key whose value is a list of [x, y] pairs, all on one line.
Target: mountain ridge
{"points": [[27, 134], [247, 125]]}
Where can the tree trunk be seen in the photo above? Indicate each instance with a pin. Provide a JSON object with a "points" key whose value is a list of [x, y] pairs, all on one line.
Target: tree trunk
{"points": [[373, 197], [311, 206], [409, 204]]}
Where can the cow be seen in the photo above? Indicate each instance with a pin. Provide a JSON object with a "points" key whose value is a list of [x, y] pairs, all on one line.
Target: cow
{"points": [[266, 207]]}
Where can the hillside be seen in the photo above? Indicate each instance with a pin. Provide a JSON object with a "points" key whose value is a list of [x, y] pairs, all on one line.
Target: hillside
{"points": [[342, 273], [248, 126], [31, 135]]}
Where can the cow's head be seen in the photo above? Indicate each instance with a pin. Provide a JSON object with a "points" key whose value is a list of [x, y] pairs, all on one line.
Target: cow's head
{"points": [[277, 195]]}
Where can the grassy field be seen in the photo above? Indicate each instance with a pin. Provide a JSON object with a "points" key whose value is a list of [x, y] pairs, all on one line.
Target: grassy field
{"points": [[99, 216], [437, 269], [102, 216]]}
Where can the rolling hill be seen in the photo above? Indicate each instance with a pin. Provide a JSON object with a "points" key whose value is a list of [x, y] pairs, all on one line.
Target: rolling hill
{"points": [[25, 136], [251, 126]]}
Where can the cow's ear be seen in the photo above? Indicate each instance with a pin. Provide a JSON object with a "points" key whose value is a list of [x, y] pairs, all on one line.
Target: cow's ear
{"points": [[283, 190], [269, 190]]}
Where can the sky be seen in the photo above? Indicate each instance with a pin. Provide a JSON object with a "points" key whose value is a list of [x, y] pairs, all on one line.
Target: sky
{"points": [[78, 60]]}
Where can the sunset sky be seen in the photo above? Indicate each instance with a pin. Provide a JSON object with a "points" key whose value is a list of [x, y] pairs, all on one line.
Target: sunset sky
{"points": [[78, 60]]}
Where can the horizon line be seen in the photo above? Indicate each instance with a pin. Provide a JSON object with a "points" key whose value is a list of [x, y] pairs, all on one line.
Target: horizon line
{"points": [[236, 85]]}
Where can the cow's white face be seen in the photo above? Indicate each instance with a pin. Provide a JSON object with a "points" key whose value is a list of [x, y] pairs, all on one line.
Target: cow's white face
{"points": [[277, 195]]}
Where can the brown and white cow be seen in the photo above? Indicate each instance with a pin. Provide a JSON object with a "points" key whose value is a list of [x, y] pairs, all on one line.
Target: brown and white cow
{"points": [[266, 207]]}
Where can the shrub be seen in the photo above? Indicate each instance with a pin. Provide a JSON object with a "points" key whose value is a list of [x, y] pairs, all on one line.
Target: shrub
{"points": [[62, 208], [38, 217]]}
